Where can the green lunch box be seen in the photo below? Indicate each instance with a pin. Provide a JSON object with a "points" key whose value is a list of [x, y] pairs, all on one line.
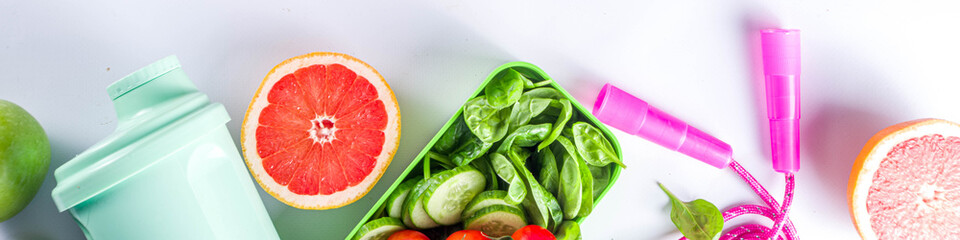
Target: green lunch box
{"points": [[530, 71]]}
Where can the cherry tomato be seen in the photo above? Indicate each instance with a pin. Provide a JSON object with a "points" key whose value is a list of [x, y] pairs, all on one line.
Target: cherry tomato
{"points": [[533, 232], [408, 235], [468, 235]]}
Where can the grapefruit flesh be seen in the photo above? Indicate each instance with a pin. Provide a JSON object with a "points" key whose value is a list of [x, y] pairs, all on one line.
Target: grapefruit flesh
{"points": [[321, 130], [906, 182]]}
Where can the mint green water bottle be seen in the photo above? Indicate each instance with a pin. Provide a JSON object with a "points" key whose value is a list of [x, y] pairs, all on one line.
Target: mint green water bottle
{"points": [[169, 171]]}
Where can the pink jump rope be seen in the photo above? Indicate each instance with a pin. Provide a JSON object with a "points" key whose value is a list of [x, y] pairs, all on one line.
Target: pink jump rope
{"points": [[781, 66]]}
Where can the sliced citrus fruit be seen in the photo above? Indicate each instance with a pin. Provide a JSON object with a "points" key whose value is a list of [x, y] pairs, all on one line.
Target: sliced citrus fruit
{"points": [[905, 184], [320, 130]]}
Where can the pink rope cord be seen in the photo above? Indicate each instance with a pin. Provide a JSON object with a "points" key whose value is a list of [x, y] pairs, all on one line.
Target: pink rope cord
{"points": [[773, 211]]}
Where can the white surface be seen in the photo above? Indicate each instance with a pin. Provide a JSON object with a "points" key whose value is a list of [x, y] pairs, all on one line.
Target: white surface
{"points": [[866, 65]]}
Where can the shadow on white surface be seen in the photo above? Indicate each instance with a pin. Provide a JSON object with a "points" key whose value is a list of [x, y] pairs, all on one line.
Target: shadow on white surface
{"points": [[752, 23], [837, 131]]}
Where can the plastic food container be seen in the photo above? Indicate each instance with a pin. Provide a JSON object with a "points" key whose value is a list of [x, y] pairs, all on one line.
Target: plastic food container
{"points": [[528, 70], [169, 171]]}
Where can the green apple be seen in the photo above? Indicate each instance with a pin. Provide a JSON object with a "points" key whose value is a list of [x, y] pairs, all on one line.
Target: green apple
{"points": [[24, 158]]}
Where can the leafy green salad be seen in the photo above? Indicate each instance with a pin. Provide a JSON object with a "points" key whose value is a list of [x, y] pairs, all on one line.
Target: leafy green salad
{"points": [[518, 154]]}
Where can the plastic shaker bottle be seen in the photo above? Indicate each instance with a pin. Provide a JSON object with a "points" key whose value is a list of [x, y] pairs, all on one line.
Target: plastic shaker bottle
{"points": [[169, 171]]}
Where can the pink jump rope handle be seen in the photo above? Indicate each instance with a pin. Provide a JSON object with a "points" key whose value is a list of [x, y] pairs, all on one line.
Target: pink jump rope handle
{"points": [[623, 111], [781, 68]]}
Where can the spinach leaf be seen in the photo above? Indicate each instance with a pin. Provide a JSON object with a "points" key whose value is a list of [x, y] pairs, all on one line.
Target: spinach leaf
{"points": [[472, 149], [592, 146], [489, 124], [530, 135], [516, 191], [556, 215], [565, 113], [527, 108], [544, 118], [549, 174], [571, 187], [505, 89], [567, 147], [601, 177], [525, 136], [440, 158], [544, 92], [697, 219], [586, 196], [426, 167], [528, 84], [450, 138], [568, 230], [578, 169], [483, 164], [541, 206], [519, 153]]}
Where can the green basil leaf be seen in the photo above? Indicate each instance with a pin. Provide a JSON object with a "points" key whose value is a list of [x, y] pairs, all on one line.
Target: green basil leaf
{"points": [[697, 219]]}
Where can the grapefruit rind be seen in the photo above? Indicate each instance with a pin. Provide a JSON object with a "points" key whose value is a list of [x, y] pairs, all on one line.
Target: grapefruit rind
{"points": [[873, 153], [259, 102]]}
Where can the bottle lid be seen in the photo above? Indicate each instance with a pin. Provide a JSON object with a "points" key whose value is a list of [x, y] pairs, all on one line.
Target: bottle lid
{"points": [[159, 111]]}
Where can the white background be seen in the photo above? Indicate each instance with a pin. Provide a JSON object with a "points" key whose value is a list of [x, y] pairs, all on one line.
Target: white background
{"points": [[866, 65]]}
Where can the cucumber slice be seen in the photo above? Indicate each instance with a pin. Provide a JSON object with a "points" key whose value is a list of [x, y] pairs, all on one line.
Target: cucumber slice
{"points": [[486, 199], [452, 190], [395, 200], [413, 214], [496, 220], [379, 229]]}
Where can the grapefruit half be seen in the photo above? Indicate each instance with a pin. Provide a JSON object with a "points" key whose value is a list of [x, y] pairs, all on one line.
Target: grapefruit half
{"points": [[320, 130], [905, 183]]}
